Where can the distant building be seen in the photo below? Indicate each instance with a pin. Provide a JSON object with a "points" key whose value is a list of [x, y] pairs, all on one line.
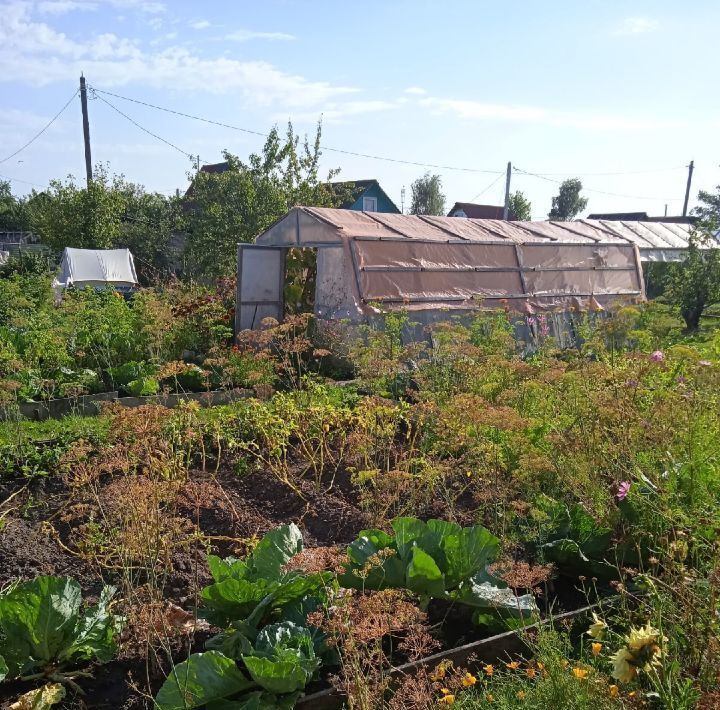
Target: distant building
{"points": [[640, 217], [366, 196], [473, 211]]}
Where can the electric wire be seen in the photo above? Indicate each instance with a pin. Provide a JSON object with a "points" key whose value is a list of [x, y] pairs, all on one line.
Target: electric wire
{"points": [[484, 190], [146, 130], [589, 189], [41, 131], [323, 147]]}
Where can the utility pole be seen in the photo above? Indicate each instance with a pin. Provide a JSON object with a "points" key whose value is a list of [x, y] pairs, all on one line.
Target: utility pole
{"points": [[506, 211], [691, 167], [86, 130], [402, 200]]}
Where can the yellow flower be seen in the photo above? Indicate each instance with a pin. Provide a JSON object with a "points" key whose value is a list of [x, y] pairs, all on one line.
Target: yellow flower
{"points": [[597, 628], [541, 665], [564, 663], [644, 636], [530, 672], [580, 673], [521, 695], [444, 691], [614, 691], [490, 697], [489, 670], [623, 670], [596, 648], [447, 699], [513, 665], [468, 680]]}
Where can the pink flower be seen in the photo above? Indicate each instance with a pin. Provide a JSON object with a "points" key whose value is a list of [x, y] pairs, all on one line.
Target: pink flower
{"points": [[657, 356], [705, 363], [623, 490]]}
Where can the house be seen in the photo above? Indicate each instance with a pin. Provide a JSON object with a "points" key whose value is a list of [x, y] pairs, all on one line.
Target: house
{"points": [[473, 211], [360, 195], [365, 196]]}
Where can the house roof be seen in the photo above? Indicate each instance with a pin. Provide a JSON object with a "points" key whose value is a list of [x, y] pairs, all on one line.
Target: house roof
{"points": [[474, 211], [642, 217], [360, 187]]}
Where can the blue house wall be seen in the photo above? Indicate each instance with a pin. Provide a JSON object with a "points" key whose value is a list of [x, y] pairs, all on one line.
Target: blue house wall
{"points": [[384, 204]]}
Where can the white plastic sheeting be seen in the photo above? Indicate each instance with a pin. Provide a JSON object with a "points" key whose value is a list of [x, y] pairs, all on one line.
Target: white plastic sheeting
{"points": [[96, 268]]}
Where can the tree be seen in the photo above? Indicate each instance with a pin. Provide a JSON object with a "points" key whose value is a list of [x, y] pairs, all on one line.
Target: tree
{"points": [[568, 204], [66, 215], [238, 204], [520, 206], [710, 210], [427, 196], [13, 210], [694, 283]]}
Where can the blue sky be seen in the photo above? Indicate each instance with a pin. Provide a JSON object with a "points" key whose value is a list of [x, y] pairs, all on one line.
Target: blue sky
{"points": [[561, 89]]}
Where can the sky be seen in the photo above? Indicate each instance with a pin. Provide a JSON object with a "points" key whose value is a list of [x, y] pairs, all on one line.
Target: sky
{"points": [[622, 94]]}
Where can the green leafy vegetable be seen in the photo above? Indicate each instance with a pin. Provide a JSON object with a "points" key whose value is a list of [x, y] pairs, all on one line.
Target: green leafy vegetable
{"points": [[42, 624], [203, 678]]}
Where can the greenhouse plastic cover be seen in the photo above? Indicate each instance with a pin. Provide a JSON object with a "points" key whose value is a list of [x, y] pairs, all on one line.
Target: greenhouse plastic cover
{"points": [[96, 267]]}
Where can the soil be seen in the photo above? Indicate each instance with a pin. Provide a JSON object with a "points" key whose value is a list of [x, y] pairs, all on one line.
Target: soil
{"points": [[45, 531]]}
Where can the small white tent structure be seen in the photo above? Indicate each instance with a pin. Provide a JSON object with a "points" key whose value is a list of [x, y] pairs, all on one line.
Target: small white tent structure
{"points": [[96, 268]]}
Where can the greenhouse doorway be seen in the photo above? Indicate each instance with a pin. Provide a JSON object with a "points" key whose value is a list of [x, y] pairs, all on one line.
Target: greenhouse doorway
{"points": [[272, 282]]}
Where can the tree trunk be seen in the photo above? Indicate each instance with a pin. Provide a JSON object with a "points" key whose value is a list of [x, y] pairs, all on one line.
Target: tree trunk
{"points": [[691, 316]]}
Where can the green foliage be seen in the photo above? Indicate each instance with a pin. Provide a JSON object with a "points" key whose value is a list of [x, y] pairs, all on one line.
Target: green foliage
{"points": [[43, 626], [13, 210], [202, 679], [427, 195], [239, 203], [436, 559], [520, 206], [568, 204], [259, 584], [693, 284]]}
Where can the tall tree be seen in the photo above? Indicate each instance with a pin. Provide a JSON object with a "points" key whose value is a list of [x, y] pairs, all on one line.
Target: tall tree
{"points": [[568, 204], [67, 215], [239, 203], [520, 206], [427, 196], [709, 209], [13, 210]]}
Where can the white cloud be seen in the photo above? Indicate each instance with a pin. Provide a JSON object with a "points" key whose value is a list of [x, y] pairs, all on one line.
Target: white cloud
{"points": [[200, 25], [637, 25], [415, 90], [35, 53], [61, 7], [516, 113], [336, 112], [247, 35]]}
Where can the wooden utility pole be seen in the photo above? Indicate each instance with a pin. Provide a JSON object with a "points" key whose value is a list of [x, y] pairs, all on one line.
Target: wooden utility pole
{"points": [[691, 167], [86, 130], [506, 211]]}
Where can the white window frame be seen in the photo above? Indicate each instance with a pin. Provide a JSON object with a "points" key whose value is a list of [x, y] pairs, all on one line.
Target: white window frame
{"points": [[369, 204]]}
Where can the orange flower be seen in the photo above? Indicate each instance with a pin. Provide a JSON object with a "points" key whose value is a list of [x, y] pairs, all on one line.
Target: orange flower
{"points": [[513, 665], [596, 648], [447, 699], [468, 680], [614, 691], [580, 673], [489, 670], [530, 672]]}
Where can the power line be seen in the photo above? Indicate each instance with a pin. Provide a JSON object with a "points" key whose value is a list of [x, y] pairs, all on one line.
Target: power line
{"points": [[589, 189], [323, 147], [27, 182], [142, 128], [39, 133], [621, 172], [484, 190]]}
